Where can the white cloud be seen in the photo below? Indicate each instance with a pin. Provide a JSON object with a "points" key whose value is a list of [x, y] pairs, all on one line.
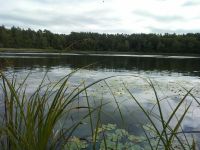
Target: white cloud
{"points": [[110, 16]]}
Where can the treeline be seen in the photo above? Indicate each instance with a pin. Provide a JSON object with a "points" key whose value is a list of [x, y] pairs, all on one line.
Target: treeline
{"points": [[161, 43]]}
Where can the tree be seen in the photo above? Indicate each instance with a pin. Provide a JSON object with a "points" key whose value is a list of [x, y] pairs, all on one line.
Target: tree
{"points": [[168, 43]]}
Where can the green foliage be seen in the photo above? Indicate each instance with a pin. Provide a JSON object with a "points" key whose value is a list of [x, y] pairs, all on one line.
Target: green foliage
{"points": [[113, 137], [166, 137], [33, 122], [167, 43], [118, 138], [75, 143]]}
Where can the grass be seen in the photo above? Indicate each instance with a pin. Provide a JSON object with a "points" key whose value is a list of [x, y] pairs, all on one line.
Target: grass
{"points": [[36, 121], [167, 135]]}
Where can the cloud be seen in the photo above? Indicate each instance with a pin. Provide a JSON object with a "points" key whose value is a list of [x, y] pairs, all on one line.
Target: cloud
{"points": [[110, 16], [59, 20], [191, 3], [72, 20], [177, 31], [162, 18]]}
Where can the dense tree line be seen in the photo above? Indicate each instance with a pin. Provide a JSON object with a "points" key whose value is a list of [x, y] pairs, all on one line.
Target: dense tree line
{"points": [[164, 43]]}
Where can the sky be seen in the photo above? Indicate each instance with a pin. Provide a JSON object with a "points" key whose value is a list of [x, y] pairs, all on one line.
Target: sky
{"points": [[103, 16]]}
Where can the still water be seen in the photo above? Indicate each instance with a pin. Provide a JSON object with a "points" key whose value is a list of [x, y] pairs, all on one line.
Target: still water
{"points": [[168, 73]]}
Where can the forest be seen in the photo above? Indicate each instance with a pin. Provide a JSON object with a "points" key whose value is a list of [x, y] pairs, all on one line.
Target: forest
{"points": [[16, 37]]}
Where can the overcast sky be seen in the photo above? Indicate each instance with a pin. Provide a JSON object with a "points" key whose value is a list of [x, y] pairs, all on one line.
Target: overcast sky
{"points": [[103, 16]]}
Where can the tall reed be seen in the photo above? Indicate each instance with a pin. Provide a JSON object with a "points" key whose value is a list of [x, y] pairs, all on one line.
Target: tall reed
{"points": [[33, 121]]}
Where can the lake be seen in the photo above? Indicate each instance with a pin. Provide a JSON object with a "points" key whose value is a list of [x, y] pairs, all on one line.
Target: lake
{"points": [[169, 75]]}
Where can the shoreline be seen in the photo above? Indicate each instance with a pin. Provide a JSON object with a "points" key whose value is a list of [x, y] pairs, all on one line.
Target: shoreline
{"points": [[27, 51]]}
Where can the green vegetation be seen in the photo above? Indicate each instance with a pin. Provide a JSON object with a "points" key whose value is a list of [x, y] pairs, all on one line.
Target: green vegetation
{"points": [[26, 50], [148, 43], [37, 121]]}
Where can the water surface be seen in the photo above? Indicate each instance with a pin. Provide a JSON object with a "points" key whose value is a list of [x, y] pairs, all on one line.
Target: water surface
{"points": [[168, 73]]}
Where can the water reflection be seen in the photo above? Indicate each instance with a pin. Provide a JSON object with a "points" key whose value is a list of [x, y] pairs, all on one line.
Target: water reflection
{"points": [[189, 67], [167, 71]]}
